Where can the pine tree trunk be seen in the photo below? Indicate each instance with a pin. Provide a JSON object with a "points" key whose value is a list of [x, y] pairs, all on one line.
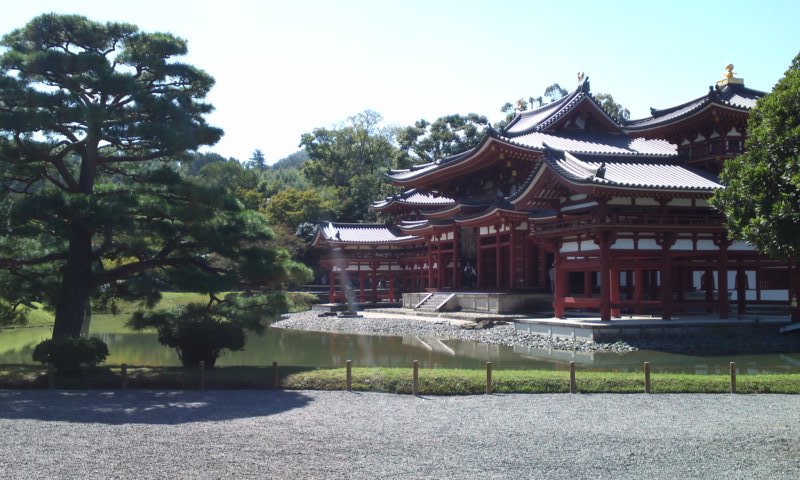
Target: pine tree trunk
{"points": [[75, 285]]}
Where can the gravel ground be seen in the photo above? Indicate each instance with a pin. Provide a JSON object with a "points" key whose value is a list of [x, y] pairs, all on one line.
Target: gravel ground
{"points": [[386, 324], [262, 434]]}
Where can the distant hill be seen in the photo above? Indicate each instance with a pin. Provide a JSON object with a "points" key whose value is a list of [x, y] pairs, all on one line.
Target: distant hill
{"points": [[295, 160]]}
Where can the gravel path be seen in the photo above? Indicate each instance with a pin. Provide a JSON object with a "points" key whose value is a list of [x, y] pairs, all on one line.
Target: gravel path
{"points": [[260, 434], [373, 323]]}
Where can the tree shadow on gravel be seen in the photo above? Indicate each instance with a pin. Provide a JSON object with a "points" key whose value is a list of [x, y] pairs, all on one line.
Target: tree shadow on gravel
{"points": [[146, 407]]}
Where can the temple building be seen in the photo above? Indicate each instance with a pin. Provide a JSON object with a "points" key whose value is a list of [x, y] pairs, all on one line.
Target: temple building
{"points": [[607, 215]]}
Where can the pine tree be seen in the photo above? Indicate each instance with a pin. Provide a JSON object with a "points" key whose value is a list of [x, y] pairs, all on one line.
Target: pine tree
{"points": [[93, 118]]}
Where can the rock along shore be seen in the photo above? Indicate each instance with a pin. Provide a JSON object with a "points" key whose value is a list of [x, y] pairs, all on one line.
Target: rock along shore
{"points": [[374, 323]]}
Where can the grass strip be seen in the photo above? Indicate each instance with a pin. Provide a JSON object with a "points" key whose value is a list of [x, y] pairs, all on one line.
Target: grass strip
{"points": [[398, 380]]}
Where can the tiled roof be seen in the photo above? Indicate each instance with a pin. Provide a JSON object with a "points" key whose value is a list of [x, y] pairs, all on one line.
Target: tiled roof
{"points": [[582, 142], [731, 95], [360, 233], [640, 172], [533, 118], [589, 142], [415, 198], [543, 117]]}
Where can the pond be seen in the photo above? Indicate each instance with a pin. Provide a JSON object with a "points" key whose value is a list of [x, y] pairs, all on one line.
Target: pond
{"points": [[292, 347]]}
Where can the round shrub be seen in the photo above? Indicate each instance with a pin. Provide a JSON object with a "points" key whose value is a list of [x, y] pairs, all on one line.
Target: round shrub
{"points": [[201, 338], [69, 354]]}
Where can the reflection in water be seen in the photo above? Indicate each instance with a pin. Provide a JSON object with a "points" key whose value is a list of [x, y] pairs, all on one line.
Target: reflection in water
{"points": [[292, 347]]}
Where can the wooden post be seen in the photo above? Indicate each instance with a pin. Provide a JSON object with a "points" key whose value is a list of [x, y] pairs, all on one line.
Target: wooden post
{"points": [[573, 386], [605, 277], [638, 290], [558, 286], [722, 280], [430, 263], [587, 283], [614, 291], [202, 375], [498, 257], [332, 287], [488, 378], [457, 259], [349, 365], [124, 376], [733, 377], [362, 285], [275, 375], [512, 245], [416, 378], [479, 282], [667, 291], [51, 381], [647, 388]]}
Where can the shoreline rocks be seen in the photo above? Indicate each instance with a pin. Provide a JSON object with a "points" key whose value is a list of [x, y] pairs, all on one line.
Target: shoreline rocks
{"points": [[498, 334]]}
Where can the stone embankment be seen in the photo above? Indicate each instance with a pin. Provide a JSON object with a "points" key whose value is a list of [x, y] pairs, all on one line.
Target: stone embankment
{"points": [[376, 323]]}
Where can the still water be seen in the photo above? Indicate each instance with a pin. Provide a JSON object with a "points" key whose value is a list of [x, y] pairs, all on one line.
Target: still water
{"points": [[292, 347]]}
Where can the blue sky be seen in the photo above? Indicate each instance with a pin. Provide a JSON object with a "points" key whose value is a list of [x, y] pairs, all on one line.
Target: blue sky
{"points": [[285, 68]]}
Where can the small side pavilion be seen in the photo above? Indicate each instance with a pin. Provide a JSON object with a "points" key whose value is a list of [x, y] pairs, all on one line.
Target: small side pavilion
{"points": [[373, 261]]}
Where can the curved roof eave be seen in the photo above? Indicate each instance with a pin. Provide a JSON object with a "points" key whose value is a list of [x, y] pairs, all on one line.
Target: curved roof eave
{"points": [[490, 137]]}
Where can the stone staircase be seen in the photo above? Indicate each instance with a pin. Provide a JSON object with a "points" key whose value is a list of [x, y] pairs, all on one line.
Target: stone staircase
{"points": [[431, 303]]}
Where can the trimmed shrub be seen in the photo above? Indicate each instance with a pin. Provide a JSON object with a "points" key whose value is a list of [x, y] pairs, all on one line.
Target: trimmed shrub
{"points": [[69, 354]]}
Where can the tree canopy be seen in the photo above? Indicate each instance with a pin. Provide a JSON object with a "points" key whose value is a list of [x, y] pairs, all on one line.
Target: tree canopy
{"points": [[446, 136], [351, 160], [761, 199], [94, 120]]}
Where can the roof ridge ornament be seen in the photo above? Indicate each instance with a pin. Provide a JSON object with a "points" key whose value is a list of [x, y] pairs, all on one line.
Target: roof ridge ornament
{"points": [[729, 77], [584, 85]]}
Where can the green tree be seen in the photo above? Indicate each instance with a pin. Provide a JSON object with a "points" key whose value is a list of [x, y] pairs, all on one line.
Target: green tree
{"points": [[291, 207], [351, 160], [445, 137], [761, 199], [555, 92], [92, 205], [615, 109], [257, 160], [551, 93]]}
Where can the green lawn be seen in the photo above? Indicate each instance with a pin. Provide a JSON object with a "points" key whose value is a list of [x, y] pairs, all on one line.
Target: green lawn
{"points": [[399, 380], [115, 323]]}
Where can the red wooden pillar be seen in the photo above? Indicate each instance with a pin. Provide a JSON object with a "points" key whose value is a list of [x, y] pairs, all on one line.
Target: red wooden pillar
{"points": [[558, 286], [498, 265], [430, 263], [480, 258], [723, 279], [526, 261], [373, 279], [511, 257], [605, 276], [615, 295], [456, 259], [439, 265], [638, 290], [707, 281], [741, 289], [666, 289], [362, 283], [653, 284], [542, 267], [392, 296], [587, 283], [332, 290]]}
